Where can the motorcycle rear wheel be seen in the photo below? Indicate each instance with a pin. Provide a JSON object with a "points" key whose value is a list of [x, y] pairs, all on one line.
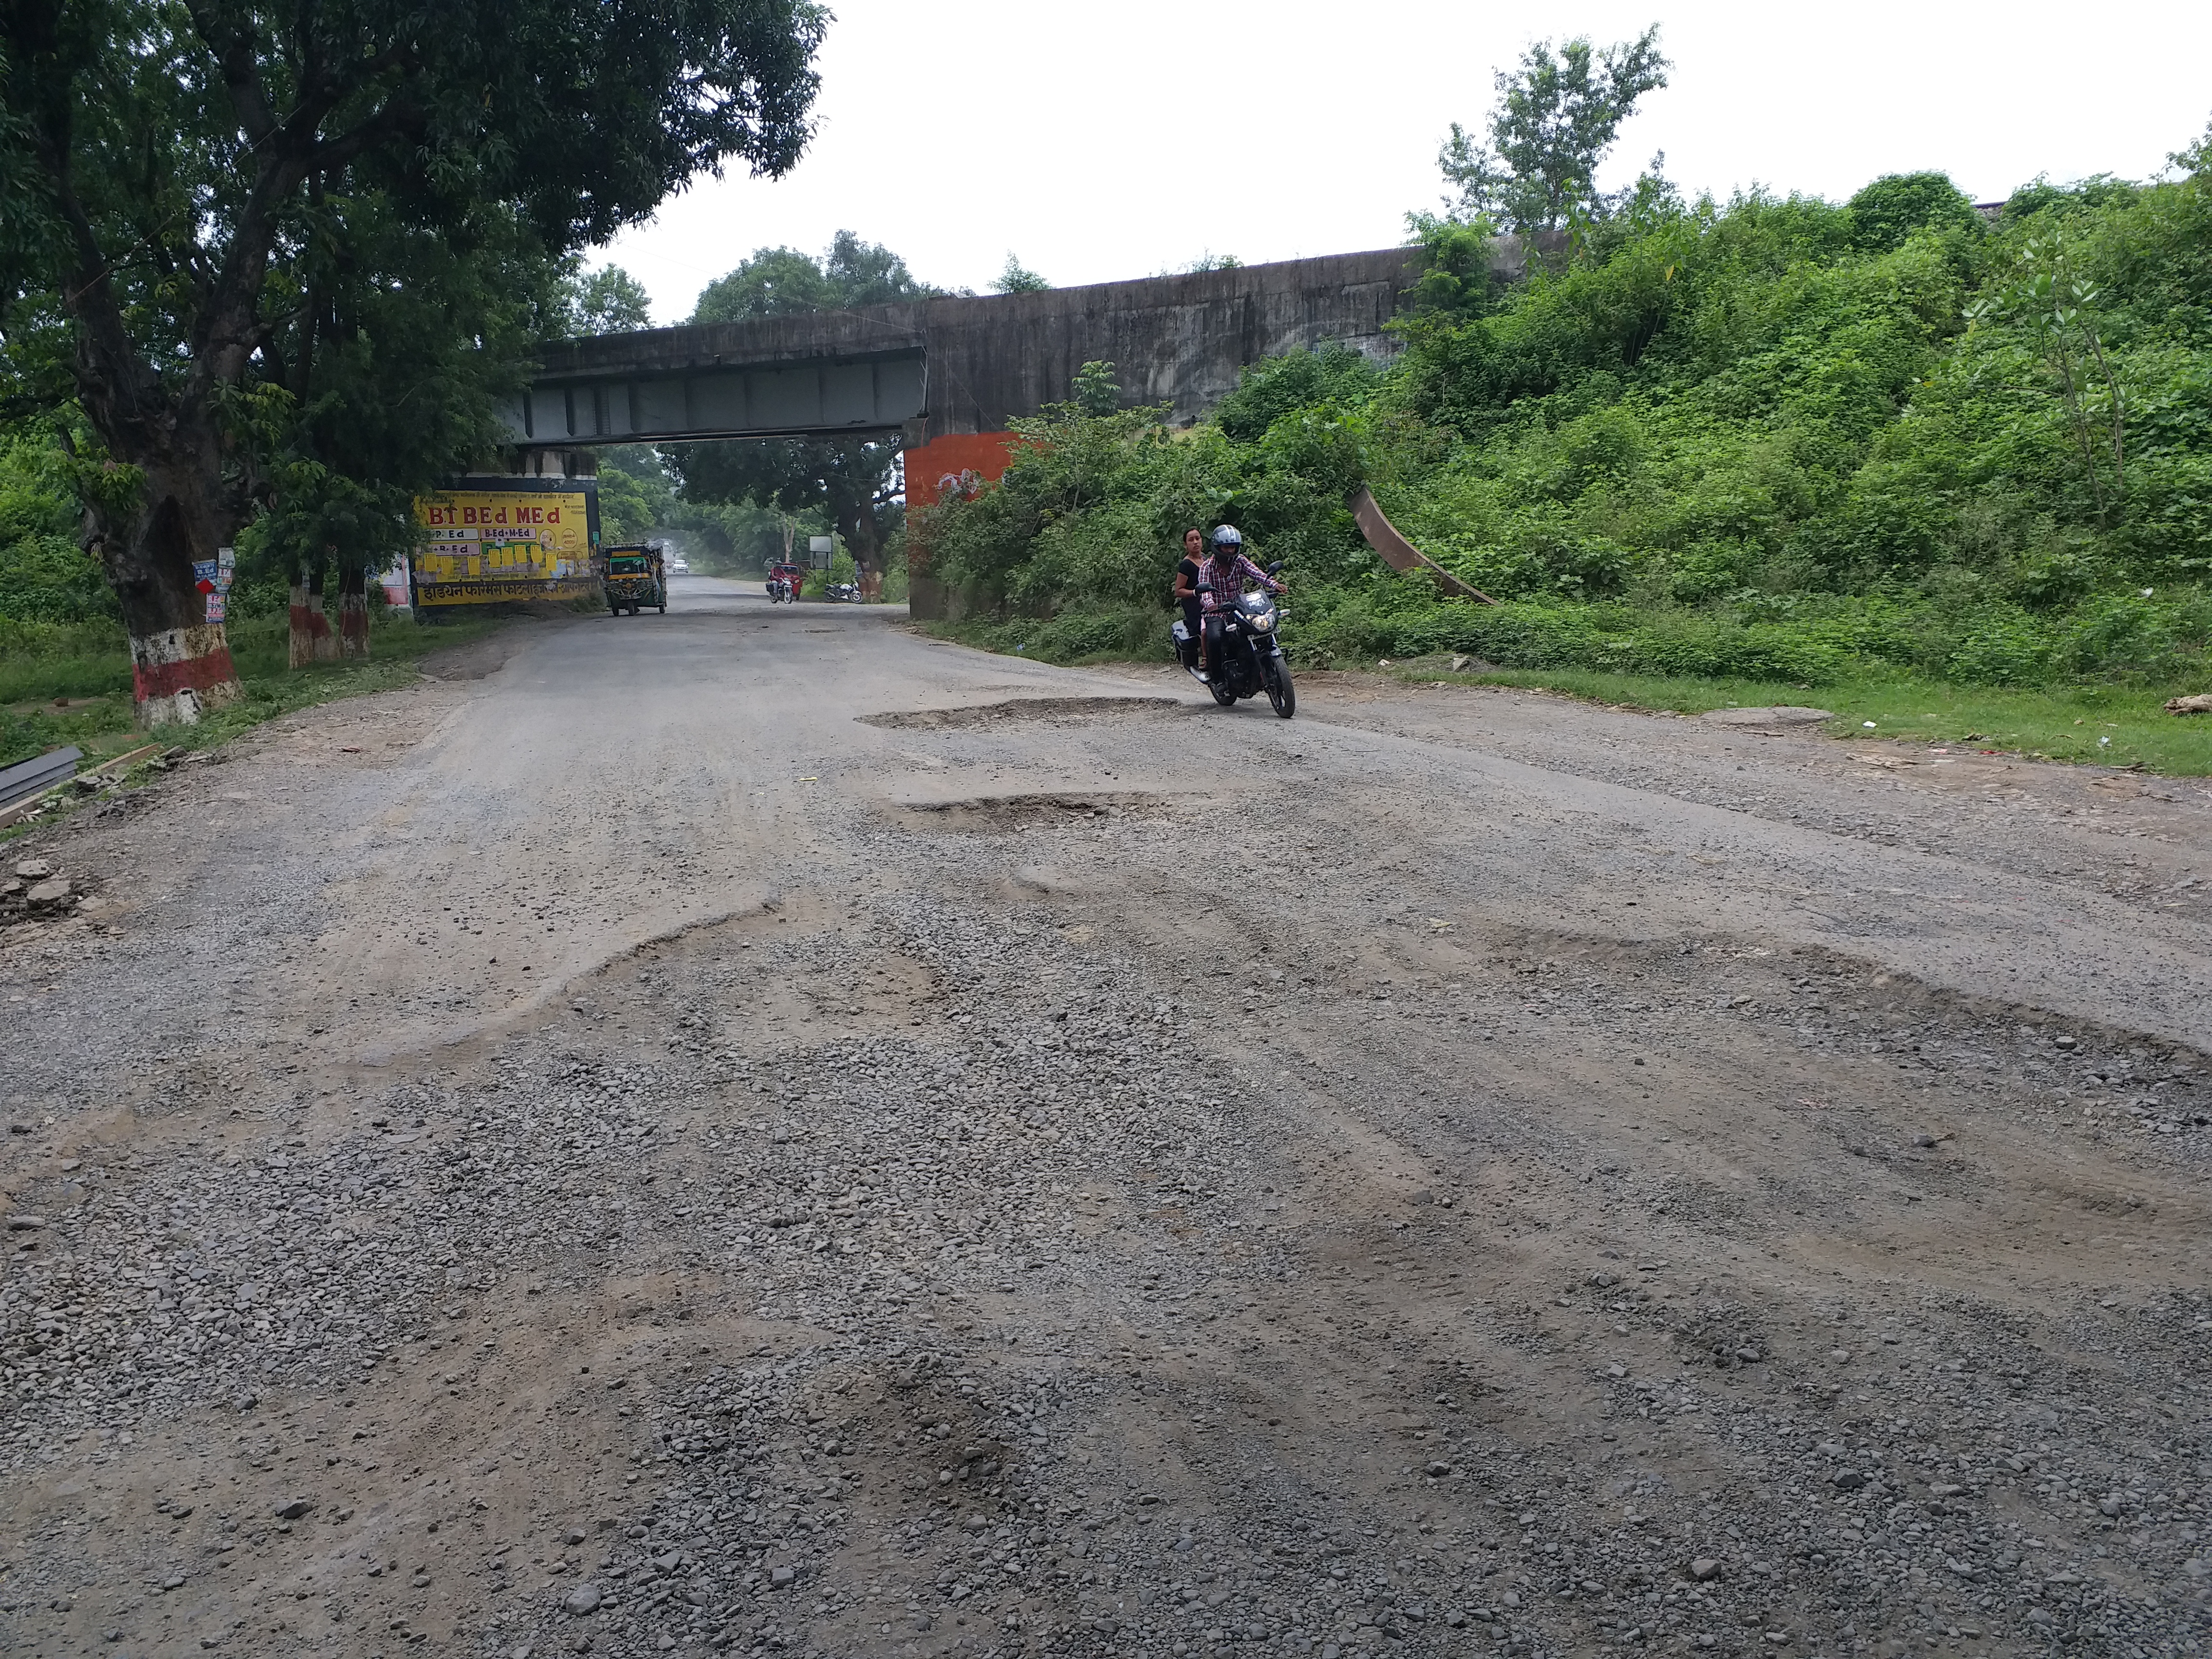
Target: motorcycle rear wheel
{"points": [[1280, 692]]}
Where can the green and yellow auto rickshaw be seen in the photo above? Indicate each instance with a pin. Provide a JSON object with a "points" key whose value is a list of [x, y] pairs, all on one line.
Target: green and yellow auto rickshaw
{"points": [[635, 577]]}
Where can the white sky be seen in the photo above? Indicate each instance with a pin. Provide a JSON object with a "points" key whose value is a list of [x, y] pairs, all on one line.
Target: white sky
{"points": [[1099, 142]]}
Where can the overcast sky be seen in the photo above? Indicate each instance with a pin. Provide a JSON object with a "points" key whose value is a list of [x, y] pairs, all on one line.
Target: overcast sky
{"points": [[1098, 143]]}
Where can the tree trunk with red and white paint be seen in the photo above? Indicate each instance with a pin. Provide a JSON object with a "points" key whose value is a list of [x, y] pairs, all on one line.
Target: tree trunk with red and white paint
{"points": [[353, 612], [180, 666], [306, 616], [310, 631], [180, 510]]}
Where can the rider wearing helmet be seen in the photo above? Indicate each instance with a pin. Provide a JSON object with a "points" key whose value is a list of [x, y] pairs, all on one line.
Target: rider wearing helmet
{"points": [[1221, 578]]}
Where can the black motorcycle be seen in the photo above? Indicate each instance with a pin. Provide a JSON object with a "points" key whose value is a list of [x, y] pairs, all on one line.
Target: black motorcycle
{"points": [[1249, 657]]}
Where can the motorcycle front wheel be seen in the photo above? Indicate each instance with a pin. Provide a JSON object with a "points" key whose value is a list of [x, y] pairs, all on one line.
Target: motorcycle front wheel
{"points": [[1223, 693], [1280, 692]]}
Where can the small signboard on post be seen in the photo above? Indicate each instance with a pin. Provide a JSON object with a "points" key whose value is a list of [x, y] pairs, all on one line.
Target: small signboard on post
{"points": [[821, 548]]}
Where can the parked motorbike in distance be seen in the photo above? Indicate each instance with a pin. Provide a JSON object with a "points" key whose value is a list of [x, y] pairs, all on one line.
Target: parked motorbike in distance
{"points": [[785, 582], [1251, 658], [844, 593]]}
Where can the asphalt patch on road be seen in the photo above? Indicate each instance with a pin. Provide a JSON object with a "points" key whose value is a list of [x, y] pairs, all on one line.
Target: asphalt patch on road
{"points": [[1027, 711]]}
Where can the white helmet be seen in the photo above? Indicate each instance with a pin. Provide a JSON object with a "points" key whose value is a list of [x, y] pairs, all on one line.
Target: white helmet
{"points": [[1228, 535]]}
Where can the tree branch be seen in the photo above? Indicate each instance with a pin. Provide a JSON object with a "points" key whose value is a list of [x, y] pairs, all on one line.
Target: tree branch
{"points": [[394, 117], [241, 74]]}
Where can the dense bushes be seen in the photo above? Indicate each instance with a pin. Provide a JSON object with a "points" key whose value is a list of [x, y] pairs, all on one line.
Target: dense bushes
{"points": [[1780, 438], [45, 577]]}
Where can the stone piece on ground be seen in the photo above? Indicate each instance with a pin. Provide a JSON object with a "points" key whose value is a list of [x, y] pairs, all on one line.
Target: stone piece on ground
{"points": [[33, 869], [26, 1224], [1705, 1567], [49, 892], [584, 1599], [1777, 715], [293, 1508]]}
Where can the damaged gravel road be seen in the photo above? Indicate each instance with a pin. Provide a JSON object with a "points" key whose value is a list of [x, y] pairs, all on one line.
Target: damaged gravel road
{"points": [[755, 1132]]}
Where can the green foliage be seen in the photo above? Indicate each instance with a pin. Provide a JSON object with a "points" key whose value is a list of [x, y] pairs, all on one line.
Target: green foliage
{"points": [[1893, 209], [778, 282], [282, 259], [607, 300], [399, 346], [851, 481], [45, 577], [1779, 439], [89, 664], [1017, 278], [1334, 375], [1555, 120], [1096, 392], [639, 501]]}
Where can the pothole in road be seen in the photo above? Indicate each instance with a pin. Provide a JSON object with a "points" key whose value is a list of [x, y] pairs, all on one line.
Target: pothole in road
{"points": [[1029, 711], [1006, 813]]}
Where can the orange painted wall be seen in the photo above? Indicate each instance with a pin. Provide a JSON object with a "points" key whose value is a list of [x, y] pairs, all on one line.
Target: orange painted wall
{"points": [[955, 460]]}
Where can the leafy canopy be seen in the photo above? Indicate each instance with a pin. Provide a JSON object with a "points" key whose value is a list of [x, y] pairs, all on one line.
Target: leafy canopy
{"points": [[1556, 118], [852, 481], [607, 300], [1017, 278], [778, 282], [235, 230], [1892, 208]]}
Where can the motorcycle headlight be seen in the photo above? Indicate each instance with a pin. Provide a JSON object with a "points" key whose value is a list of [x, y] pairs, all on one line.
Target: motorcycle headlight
{"points": [[1263, 620]]}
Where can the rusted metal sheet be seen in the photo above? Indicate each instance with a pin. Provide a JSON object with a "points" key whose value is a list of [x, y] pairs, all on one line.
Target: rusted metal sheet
{"points": [[1401, 554]]}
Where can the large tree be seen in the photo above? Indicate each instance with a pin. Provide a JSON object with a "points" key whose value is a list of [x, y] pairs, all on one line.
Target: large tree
{"points": [[854, 480], [168, 167], [381, 379], [1556, 117]]}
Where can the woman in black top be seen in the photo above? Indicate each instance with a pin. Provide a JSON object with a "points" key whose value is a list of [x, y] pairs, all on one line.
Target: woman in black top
{"points": [[1185, 591]]}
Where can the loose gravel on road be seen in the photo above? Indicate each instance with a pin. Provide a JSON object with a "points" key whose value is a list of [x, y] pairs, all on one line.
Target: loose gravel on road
{"points": [[1022, 1164]]}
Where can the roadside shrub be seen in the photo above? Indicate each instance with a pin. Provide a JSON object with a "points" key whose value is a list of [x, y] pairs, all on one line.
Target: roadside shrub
{"points": [[1890, 209], [1777, 438]]}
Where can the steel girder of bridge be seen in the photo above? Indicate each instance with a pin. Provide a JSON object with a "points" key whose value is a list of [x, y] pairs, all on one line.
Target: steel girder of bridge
{"points": [[582, 401]]}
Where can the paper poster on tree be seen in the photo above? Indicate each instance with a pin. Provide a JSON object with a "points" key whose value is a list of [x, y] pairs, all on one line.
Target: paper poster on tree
{"points": [[482, 546]]}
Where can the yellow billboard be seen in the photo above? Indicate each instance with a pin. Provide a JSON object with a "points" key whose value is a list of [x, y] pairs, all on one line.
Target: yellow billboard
{"points": [[480, 546]]}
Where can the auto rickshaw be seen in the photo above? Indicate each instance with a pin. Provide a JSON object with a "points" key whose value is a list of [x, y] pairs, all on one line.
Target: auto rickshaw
{"points": [[636, 576]]}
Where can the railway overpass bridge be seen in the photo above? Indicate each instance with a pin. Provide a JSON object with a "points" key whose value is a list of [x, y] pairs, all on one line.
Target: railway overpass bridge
{"points": [[932, 369], [944, 374]]}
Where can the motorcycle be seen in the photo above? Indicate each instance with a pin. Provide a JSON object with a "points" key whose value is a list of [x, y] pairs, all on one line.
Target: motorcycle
{"points": [[844, 593], [1250, 659], [779, 590]]}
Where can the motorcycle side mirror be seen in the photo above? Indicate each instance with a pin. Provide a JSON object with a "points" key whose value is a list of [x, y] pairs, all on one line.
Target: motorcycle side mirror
{"points": [[1276, 568]]}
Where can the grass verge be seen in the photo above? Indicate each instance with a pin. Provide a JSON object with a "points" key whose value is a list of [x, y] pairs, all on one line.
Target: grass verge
{"points": [[73, 685], [2100, 724]]}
